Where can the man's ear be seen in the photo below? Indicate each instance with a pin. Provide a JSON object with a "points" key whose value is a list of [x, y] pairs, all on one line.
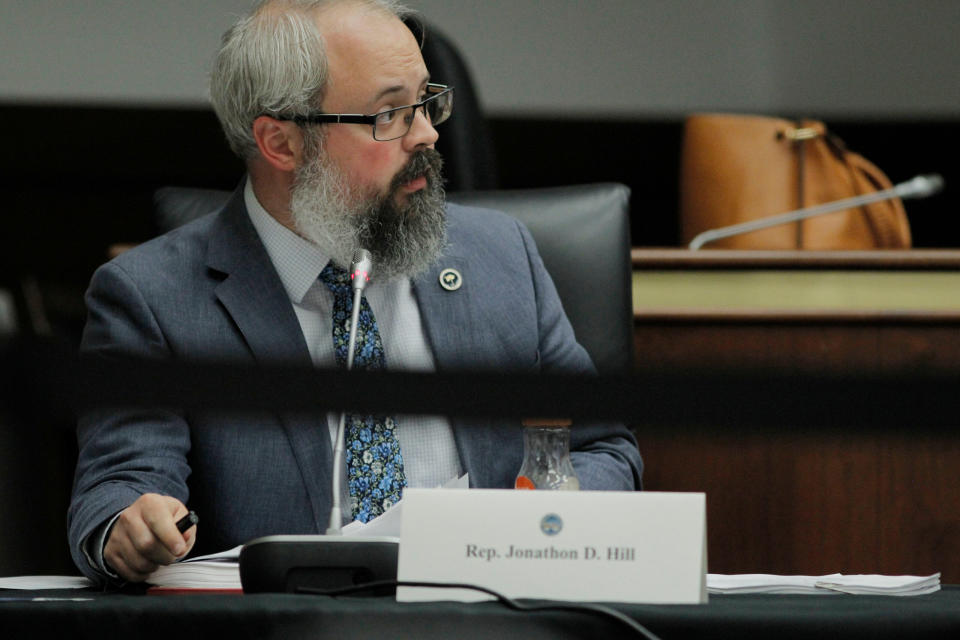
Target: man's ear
{"points": [[280, 142]]}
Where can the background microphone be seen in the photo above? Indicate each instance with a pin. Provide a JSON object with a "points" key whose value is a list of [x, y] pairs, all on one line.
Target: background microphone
{"points": [[918, 187], [360, 268]]}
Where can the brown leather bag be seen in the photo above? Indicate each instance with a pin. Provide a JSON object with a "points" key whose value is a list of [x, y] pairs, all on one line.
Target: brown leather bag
{"points": [[737, 168]]}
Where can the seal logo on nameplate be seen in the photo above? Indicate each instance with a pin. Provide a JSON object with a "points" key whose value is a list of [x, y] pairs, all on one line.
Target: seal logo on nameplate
{"points": [[551, 524]]}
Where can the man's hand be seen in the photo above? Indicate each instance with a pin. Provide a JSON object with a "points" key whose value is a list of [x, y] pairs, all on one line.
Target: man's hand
{"points": [[145, 536]]}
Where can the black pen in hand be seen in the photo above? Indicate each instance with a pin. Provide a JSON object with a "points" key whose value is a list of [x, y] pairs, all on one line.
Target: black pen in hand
{"points": [[187, 521]]}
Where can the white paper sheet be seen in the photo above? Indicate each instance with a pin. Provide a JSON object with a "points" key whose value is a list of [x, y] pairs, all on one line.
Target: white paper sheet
{"points": [[869, 584], [45, 582], [387, 524]]}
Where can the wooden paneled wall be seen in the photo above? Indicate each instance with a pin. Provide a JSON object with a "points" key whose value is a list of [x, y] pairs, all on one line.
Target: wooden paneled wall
{"points": [[849, 499]]}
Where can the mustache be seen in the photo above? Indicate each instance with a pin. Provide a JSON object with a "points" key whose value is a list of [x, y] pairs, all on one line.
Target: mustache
{"points": [[427, 162]]}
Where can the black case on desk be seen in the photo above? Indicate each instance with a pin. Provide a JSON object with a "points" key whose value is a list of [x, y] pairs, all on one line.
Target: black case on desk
{"points": [[288, 564]]}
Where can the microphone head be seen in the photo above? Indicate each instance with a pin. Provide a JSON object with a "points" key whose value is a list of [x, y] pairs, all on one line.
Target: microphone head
{"points": [[924, 186], [933, 184], [360, 268]]}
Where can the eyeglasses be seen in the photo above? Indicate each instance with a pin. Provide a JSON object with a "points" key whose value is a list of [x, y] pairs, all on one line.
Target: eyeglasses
{"points": [[392, 123]]}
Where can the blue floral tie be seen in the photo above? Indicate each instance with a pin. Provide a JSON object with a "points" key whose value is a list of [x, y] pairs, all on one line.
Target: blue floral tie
{"points": [[374, 462]]}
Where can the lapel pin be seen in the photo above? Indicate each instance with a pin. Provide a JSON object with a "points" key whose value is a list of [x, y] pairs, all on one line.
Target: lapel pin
{"points": [[450, 279]]}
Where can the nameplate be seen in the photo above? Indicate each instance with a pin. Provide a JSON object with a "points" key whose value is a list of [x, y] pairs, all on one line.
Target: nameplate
{"points": [[590, 546]]}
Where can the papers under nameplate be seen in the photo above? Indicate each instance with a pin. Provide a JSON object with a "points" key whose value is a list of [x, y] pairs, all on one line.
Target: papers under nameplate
{"points": [[869, 584], [599, 546]]}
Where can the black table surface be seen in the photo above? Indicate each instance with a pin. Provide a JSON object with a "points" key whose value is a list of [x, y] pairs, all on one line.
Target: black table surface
{"points": [[87, 614]]}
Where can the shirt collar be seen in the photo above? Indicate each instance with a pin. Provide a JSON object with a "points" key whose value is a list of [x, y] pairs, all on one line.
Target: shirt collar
{"points": [[297, 260]]}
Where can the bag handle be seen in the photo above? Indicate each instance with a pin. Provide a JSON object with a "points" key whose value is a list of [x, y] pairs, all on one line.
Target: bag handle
{"points": [[882, 216], [798, 136]]}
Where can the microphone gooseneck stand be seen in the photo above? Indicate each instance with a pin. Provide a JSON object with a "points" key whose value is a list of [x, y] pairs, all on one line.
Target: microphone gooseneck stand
{"points": [[918, 187], [360, 269]]}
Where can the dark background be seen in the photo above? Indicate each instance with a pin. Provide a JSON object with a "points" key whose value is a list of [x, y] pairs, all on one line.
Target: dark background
{"points": [[79, 179]]}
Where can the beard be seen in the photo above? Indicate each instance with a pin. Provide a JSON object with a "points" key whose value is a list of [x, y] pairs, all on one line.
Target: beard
{"points": [[404, 239]]}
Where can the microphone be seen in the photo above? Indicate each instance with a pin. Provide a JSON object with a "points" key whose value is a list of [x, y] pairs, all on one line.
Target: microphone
{"points": [[918, 187], [284, 563], [360, 268]]}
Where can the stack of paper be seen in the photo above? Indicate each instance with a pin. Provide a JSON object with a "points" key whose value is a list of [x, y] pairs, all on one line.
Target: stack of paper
{"points": [[833, 583], [215, 571], [883, 585], [45, 582]]}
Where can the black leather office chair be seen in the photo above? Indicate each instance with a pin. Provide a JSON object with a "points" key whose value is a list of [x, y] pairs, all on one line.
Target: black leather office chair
{"points": [[466, 141], [176, 206], [582, 232]]}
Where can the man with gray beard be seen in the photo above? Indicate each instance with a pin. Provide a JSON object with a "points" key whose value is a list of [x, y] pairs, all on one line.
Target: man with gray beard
{"points": [[404, 239], [332, 108]]}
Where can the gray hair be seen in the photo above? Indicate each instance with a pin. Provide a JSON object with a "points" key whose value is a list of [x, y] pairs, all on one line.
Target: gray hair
{"points": [[273, 61]]}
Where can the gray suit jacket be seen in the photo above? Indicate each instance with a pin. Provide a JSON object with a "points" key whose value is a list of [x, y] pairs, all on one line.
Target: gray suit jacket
{"points": [[208, 290]]}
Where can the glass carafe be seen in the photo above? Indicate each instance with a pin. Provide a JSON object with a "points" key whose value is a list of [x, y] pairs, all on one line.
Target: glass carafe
{"points": [[546, 458]]}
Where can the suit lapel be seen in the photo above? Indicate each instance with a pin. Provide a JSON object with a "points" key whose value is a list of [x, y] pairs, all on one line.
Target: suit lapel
{"points": [[252, 292], [450, 320], [446, 315], [257, 302]]}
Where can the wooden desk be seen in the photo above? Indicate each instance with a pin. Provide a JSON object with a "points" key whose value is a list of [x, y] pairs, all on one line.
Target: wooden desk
{"points": [[852, 500]]}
